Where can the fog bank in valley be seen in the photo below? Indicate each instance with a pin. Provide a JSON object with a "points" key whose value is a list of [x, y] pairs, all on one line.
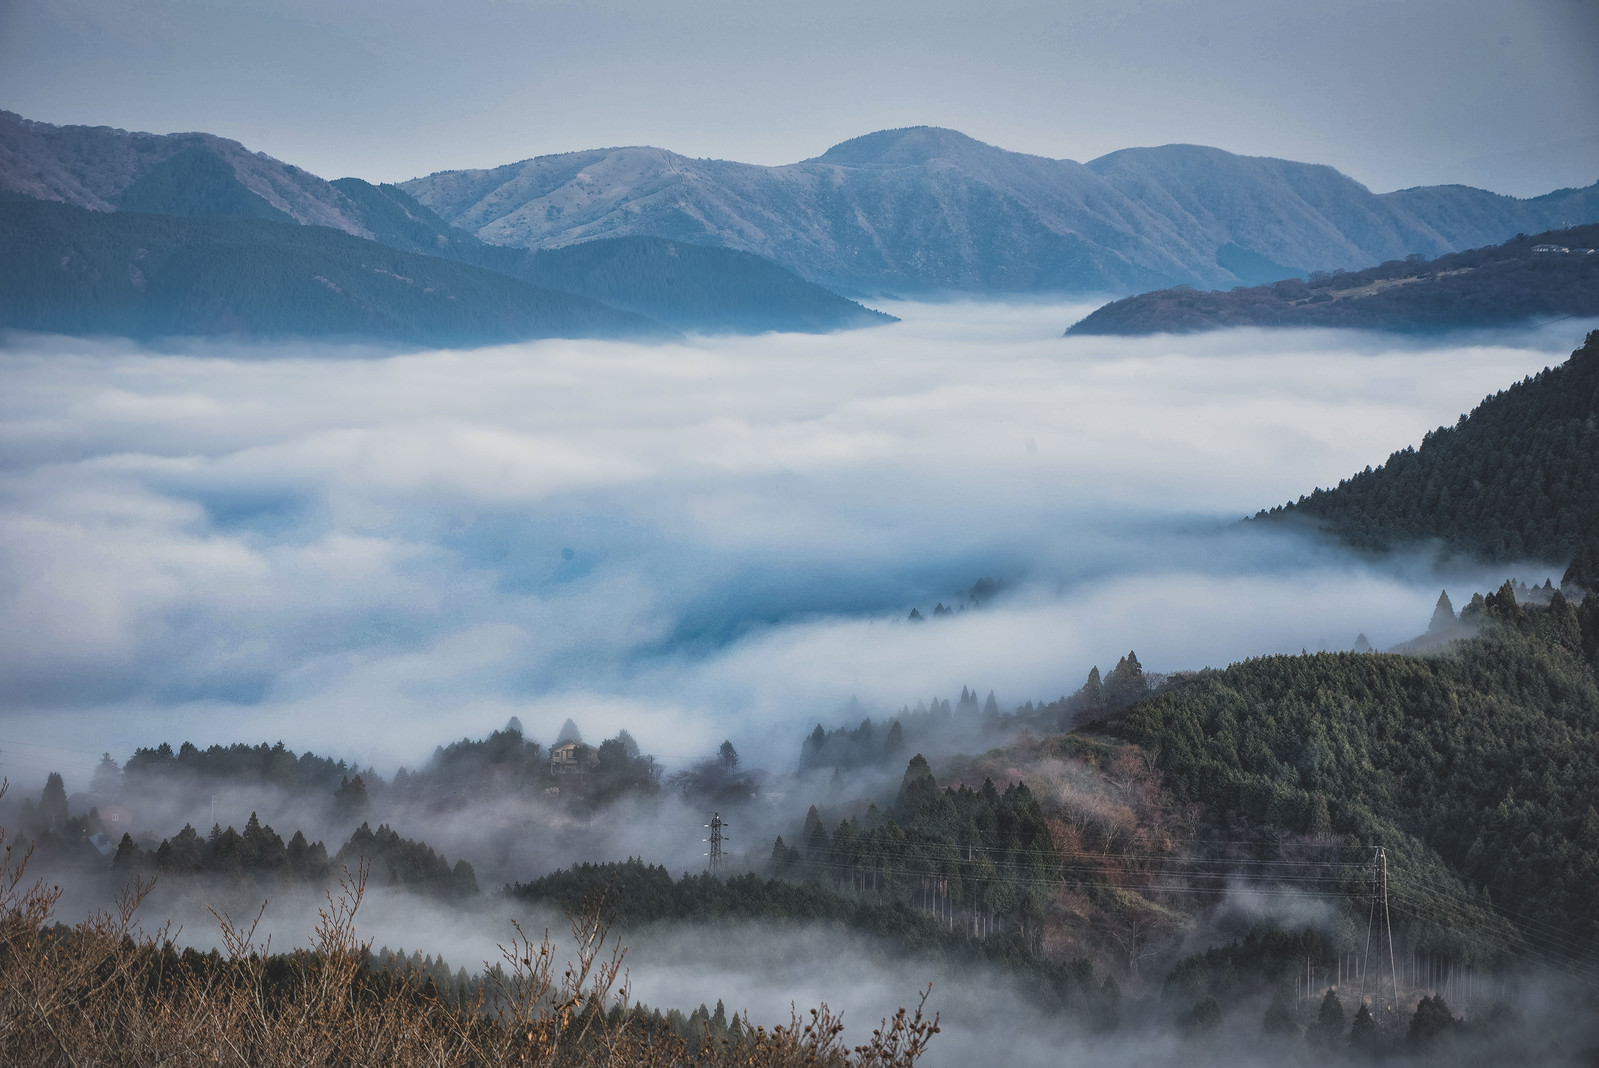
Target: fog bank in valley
{"points": [[715, 538]]}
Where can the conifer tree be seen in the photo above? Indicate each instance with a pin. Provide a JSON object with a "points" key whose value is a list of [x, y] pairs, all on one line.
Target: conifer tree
{"points": [[811, 751], [894, 741], [52, 810], [1329, 1027], [127, 854], [107, 779], [1443, 614], [917, 790], [815, 835], [1201, 1018], [1431, 1022], [1093, 690], [1280, 1013], [1126, 683], [1363, 1036], [350, 800]]}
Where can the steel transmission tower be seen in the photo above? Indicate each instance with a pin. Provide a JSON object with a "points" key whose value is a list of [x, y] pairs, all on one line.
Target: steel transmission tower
{"points": [[714, 854], [1378, 919]]}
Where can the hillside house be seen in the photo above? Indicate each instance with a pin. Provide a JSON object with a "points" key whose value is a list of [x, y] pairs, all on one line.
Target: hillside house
{"points": [[116, 819], [572, 758]]}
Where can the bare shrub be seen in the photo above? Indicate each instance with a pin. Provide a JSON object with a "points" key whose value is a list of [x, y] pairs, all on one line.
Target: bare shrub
{"points": [[103, 992]]}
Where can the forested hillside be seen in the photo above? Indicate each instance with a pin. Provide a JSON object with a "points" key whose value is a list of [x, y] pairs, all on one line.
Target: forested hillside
{"points": [[1516, 479], [1491, 286], [1486, 758], [1273, 780], [1087, 861]]}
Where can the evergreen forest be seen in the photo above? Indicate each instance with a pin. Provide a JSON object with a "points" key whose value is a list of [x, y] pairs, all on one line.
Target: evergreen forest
{"points": [[1515, 479]]}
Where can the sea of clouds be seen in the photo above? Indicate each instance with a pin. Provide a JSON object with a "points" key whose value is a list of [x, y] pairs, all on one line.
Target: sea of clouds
{"points": [[369, 554]]}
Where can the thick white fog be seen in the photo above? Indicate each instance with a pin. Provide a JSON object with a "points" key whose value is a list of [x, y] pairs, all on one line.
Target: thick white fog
{"points": [[368, 555]]}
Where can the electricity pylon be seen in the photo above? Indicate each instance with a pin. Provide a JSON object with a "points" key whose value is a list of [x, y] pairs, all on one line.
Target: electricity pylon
{"points": [[714, 855], [1379, 908]]}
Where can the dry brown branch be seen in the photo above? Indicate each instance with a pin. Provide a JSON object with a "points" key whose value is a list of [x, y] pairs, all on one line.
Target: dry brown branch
{"points": [[103, 993]]}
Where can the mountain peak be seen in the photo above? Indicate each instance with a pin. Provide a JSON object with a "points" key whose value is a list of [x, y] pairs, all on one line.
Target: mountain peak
{"points": [[909, 146]]}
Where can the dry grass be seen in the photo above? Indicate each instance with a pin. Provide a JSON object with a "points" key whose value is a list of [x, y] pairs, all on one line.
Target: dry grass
{"points": [[103, 992]]}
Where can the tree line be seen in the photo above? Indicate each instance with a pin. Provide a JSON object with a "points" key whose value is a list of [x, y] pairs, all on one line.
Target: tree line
{"points": [[259, 854]]}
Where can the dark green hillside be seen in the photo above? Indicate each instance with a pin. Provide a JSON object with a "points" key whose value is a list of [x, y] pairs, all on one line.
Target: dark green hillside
{"points": [[72, 271], [195, 183], [1516, 479], [1487, 759], [695, 287], [1490, 286]]}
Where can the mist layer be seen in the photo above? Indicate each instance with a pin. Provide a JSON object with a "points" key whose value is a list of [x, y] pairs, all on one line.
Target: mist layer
{"points": [[721, 537]]}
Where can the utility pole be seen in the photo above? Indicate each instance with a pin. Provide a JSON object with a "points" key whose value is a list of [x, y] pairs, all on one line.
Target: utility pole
{"points": [[714, 863], [1379, 905]]}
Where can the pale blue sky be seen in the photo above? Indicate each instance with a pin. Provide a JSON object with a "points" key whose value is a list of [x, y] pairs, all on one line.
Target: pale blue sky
{"points": [[1504, 95]]}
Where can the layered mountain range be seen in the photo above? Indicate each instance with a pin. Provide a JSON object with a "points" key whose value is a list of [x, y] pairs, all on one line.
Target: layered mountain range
{"points": [[714, 245], [927, 210], [149, 236]]}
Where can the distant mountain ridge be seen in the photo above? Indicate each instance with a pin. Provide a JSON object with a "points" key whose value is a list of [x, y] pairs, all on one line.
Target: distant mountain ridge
{"points": [[112, 173], [928, 210], [1524, 278], [916, 211], [95, 167]]}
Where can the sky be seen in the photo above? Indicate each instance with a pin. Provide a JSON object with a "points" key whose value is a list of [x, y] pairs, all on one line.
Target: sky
{"points": [[1499, 95], [715, 538]]}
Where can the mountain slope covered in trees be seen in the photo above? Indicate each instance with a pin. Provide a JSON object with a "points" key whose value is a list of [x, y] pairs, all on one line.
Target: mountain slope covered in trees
{"points": [[1517, 479], [1487, 758], [1516, 281], [1115, 858]]}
